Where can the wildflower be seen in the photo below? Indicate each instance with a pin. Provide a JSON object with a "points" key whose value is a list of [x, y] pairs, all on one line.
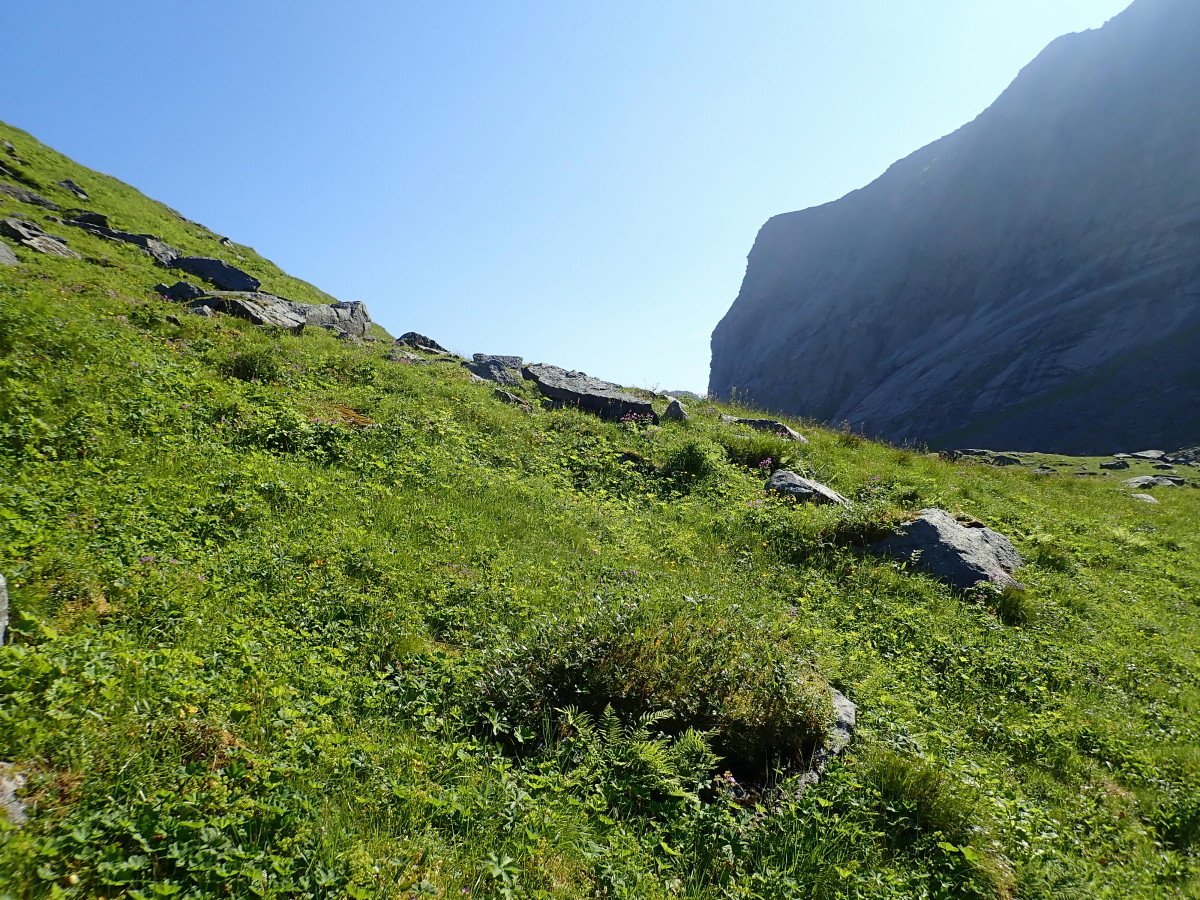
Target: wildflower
{"points": [[146, 559], [766, 463]]}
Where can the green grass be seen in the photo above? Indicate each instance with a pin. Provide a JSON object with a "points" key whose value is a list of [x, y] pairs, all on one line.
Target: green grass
{"points": [[261, 650]]}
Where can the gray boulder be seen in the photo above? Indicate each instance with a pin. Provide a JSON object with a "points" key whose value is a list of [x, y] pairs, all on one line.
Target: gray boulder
{"points": [[7, 257], [350, 317], [605, 399], [420, 342], [73, 188], [1149, 454], [511, 399], [24, 195], [1114, 464], [1151, 481], [406, 356], [845, 717], [509, 362], [788, 483], [32, 236], [164, 254], [1001, 459], [1145, 498], [935, 542], [491, 368], [11, 807], [766, 425], [261, 308], [675, 412], [180, 292], [84, 217], [217, 272]]}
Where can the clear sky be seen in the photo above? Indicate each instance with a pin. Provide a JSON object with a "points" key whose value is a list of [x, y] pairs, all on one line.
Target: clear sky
{"points": [[575, 182]]}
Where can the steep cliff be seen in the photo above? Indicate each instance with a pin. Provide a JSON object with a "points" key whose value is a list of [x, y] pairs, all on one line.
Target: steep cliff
{"points": [[1030, 281]]}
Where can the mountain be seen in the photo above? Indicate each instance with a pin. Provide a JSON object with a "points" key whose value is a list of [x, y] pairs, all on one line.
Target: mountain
{"points": [[1030, 281], [295, 611]]}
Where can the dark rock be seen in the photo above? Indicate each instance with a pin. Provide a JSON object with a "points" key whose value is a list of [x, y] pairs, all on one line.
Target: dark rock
{"points": [[420, 342], [24, 195], [1145, 498], [73, 188], [1163, 467], [32, 236], [84, 217], [1151, 481], [174, 321], [218, 273], [1114, 464], [766, 425], [164, 254], [491, 369], [11, 807], [675, 412], [7, 257], [937, 543], [180, 291], [788, 483], [511, 399], [1001, 460], [985, 290], [350, 316], [604, 398], [509, 362]]}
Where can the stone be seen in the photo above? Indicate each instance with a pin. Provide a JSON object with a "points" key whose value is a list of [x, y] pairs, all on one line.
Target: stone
{"points": [[936, 543], [1120, 456], [1151, 481], [511, 399], [201, 308], [1001, 459], [1044, 470], [24, 195], [180, 291], [406, 356], [788, 483], [491, 369], [3, 608], [164, 254], [73, 188], [349, 316], [32, 236], [685, 395], [1148, 454], [675, 412], [766, 425], [217, 272], [605, 399], [1163, 467], [1114, 464], [420, 342], [7, 257], [11, 807], [983, 291], [509, 362], [1145, 498], [84, 217], [845, 718]]}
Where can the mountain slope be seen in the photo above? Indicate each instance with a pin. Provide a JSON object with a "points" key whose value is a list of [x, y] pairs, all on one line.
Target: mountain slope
{"points": [[295, 616], [1031, 281]]}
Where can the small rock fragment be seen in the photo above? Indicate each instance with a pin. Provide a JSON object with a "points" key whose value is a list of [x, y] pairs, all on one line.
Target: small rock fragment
{"points": [[73, 188]]}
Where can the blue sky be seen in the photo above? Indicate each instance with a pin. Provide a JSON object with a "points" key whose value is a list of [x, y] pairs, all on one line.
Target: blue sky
{"points": [[577, 183]]}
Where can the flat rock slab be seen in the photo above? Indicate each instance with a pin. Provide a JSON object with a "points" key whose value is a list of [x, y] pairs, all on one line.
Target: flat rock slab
{"points": [[261, 308], [1151, 481], [24, 195], [766, 425], [605, 399], [1145, 498], [420, 342], [7, 257], [1114, 464], [509, 362], [164, 254], [936, 543], [11, 807], [1149, 454], [32, 236], [788, 483], [217, 272]]}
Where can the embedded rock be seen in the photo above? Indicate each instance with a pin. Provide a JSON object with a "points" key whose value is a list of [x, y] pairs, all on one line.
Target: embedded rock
{"points": [[7, 257], [11, 807], [217, 272], [788, 483], [73, 188], [511, 399], [1029, 281], [164, 254], [350, 317], [1145, 498], [32, 236], [509, 362], [260, 308], [607, 400], [675, 412], [845, 717], [24, 195], [420, 342], [1150, 481], [1114, 464], [84, 217], [180, 291], [766, 425], [3, 608], [935, 542], [1154, 455], [491, 368]]}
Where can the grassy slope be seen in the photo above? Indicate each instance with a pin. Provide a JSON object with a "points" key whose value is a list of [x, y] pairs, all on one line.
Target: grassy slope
{"points": [[259, 651]]}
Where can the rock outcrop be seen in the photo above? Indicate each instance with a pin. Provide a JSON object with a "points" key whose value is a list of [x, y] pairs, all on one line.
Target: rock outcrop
{"points": [[607, 400], [1030, 281], [961, 555], [217, 272], [31, 235], [260, 308], [789, 484]]}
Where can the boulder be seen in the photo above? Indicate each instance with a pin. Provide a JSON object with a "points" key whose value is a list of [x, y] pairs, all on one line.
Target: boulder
{"points": [[1151, 481], [935, 542], [11, 807], [24, 195], [684, 395], [75, 189], [509, 362], [84, 217], [30, 235], [217, 272], [511, 399], [1145, 498], [259, 308], [788, 483], [675, 412], [607, 400], [1149, 454], [1114, 464], [180, 291], [766, 425], [1001, 459], [420, 342], [350, 317], [164, 254], [492, 369], [845, 716], [7, 257], [406, 356]]}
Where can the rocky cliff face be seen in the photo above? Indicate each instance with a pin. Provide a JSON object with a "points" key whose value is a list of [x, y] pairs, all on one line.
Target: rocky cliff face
{"points": [[1031, 281]]}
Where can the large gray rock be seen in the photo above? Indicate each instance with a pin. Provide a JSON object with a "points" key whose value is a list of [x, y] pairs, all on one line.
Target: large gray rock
{"points": [[180, 291], [7, 257], [75, 189], [845, 717], [607, 400], [349, 317], [962, 556], [11, 807], [420, 342], [32, 236], [493, 368], [788, 483], [1028, 281], [675, 412], [217, 272], [261, 308], [509, 362], [24, 195], [766, 425], [1151, 481], [164, 254]]}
